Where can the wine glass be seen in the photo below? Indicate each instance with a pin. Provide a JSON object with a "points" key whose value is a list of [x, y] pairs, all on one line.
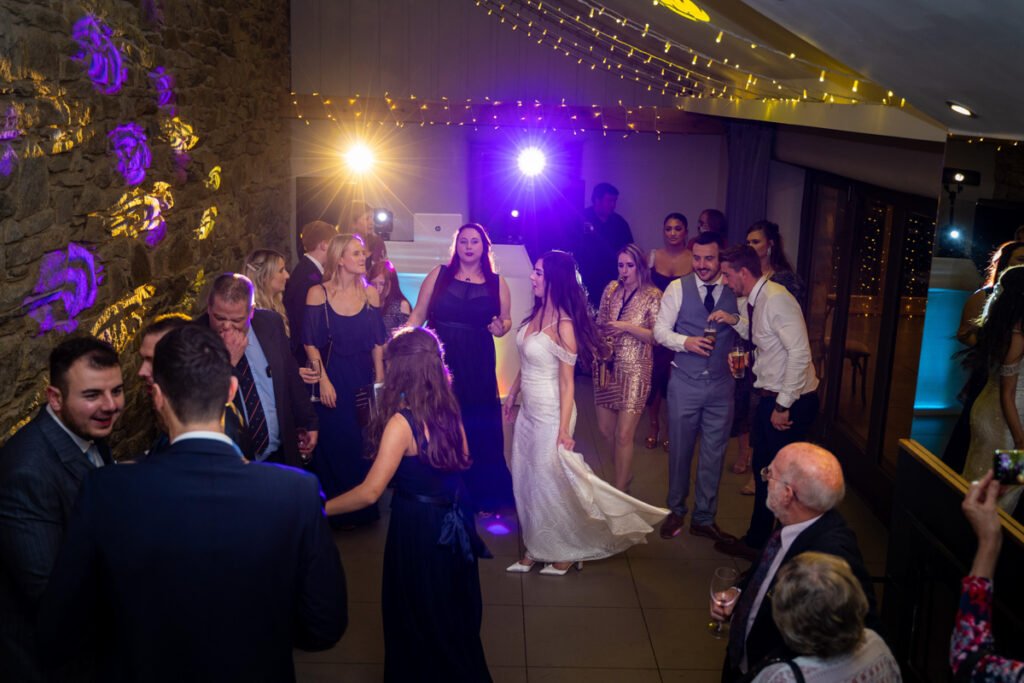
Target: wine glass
{"points": [[313, 366], [723, 593]]}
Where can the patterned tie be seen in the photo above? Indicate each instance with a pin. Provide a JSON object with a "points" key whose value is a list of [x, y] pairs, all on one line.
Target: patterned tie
{"points": [[738, 629], [258, 433], [709, 297]]}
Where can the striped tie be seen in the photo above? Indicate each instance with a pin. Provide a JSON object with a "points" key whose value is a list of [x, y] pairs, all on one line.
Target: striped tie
{"points": [[258, 433]]}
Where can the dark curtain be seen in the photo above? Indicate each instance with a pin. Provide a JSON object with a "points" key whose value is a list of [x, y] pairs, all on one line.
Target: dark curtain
{"points": [[750, 152]]}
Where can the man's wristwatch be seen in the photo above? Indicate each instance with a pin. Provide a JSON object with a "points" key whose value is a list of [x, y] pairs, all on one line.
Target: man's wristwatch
{"points": [[781, 409]]}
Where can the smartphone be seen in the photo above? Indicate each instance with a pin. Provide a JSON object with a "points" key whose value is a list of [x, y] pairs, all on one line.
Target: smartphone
{"points": [[1008, 467]]}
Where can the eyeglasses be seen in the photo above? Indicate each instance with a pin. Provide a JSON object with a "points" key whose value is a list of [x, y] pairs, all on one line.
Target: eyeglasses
{"points": [[766, 476]]}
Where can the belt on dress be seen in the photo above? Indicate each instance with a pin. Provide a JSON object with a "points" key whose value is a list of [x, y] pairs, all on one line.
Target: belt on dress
{"points": [[453, 535]]}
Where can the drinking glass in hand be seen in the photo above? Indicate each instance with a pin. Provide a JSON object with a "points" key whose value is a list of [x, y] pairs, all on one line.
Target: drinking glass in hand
{"points": [[723, 593], [711, 332], [738, 361], [314, 370]]}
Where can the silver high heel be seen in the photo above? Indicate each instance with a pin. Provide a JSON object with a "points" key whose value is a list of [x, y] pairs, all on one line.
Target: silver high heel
{"points": [[520, 568], [552, 570]]}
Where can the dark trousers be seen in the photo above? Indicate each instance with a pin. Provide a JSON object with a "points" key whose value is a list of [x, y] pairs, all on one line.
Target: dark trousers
{"points": [[767, 441]]}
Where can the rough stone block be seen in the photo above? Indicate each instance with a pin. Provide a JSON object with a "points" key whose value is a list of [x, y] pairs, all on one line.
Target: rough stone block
{"points": [[32, 191]]}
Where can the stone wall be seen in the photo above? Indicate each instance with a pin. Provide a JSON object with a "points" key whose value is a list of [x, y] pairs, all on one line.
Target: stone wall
{"points": [[140, 149]]}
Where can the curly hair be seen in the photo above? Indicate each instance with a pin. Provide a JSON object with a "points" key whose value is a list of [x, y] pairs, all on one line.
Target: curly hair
{"points": [[1002, 314], [819, 605], [415, 377]]}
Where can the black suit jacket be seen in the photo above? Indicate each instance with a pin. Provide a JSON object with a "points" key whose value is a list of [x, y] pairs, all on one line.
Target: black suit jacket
{"points": [[194, 565], [291, 395], [41, 469], [830, 535], [304, 276]]}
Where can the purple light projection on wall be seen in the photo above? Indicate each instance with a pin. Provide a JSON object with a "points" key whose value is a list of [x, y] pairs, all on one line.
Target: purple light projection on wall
{"points": [[70, 277], [163, 83], [132, 150], [138, 213], [99, 55], [8, 133], [8, 159]]}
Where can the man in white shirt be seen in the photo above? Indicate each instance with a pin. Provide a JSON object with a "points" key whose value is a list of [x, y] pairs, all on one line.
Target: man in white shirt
{"points": [[700, 389], [41, 469], [785, 383], [805, 483]]}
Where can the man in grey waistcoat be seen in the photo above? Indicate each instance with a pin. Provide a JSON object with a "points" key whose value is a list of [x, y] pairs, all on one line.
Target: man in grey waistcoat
{"points": [[700, 389]]}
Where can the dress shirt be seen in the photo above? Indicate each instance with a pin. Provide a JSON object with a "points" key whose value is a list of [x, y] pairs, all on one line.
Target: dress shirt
{"points": [[265, 388], [786, 538], [200, 434], [672, 300], [319, 266], [89, 448], [782, 359]]}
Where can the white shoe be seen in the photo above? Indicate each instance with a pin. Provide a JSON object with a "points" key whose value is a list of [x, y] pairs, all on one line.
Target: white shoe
{"points": [[552, 570], [519, 567]]}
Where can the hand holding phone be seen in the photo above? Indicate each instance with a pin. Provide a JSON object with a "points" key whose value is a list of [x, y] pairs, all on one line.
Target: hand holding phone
{"points": [[1008, 467]]}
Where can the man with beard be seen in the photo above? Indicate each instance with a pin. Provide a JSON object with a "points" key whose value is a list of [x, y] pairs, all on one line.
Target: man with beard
{"points": [[700, 389], [805, 483], [785, 382], [41, 469]]}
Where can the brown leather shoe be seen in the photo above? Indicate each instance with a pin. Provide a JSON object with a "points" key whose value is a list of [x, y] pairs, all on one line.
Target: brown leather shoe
{"points": [[713, 532], [738, 548], [672, 525]]}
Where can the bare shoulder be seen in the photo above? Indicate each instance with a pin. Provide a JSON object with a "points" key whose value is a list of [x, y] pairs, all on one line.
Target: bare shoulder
{"points": [[315, 296], [566, 333]]}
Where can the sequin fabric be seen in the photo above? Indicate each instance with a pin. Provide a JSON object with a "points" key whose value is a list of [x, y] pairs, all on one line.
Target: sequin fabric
{"points": [[629, 382]]}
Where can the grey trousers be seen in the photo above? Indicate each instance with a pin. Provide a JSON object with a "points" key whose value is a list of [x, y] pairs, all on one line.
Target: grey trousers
{"points": [[695, 407]]}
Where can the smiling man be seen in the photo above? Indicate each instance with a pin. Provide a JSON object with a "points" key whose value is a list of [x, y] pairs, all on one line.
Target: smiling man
{"points": [[41, 469]]}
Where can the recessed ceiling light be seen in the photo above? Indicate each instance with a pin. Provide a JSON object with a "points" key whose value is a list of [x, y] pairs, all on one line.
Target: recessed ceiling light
{"points": [[960, 109]]}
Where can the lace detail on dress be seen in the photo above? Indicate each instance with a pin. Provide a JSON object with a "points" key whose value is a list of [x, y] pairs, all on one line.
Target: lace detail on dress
{"points": [[560, 352]]}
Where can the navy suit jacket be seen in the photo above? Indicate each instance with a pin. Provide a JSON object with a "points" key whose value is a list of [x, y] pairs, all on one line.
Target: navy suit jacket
{"points": [[41, 469], [828, 535], [304, 276], [196, 565], [294, 409]]}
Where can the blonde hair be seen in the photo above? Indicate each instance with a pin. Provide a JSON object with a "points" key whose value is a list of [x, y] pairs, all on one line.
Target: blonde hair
{"points": [[336, 249], [643, 271], [260, 266]]}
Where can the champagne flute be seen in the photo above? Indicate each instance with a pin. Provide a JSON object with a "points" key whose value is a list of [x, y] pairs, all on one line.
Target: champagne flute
{"points": [[723, 593], [314, 369]]}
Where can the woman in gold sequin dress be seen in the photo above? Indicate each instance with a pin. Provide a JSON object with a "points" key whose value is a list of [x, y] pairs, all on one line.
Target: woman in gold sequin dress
{"points": [[629, 307]]}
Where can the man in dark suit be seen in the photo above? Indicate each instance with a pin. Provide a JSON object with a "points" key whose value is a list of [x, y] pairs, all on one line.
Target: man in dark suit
{"points": [[282, 425], [41, 469], [597, 245], [308, 272], [805, 483], [194, 564]]}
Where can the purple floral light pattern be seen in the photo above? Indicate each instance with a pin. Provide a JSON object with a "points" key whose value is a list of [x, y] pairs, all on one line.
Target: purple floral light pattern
{"points": [[69, 277], [132, 149], [99, 55], [163, 83]]}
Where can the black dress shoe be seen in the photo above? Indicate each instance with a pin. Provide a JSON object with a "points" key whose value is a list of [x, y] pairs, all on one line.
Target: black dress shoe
{"points": [[672, 525], [713, 532], [738, 548]]}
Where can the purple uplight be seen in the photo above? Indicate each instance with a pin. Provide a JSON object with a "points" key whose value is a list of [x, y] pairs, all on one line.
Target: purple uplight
{"points": [[10, 130], [497, 528], [70, 277], [163, 83], [132, 150], [8, 159], [100, 56]]}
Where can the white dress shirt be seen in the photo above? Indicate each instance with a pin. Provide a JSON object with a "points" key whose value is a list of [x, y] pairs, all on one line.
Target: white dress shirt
{"points": [[89, 448], [672, 300], [319, 266], [786, 537], [782, 359]]}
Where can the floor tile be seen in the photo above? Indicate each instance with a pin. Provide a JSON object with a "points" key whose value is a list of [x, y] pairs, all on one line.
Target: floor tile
{"points": [[502, 634], [690, 676], [590, 675], [363, 575], [673, 583], [681, 639], [508, 674], [331, 672], [363, 642], [601, 637], [498, 586], [605, 583]]}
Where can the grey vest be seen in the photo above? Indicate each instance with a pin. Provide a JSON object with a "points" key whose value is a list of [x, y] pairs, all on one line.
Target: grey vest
{"points": [[690, 321]]}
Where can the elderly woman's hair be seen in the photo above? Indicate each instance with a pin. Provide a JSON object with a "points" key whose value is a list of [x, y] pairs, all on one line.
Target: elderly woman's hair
{"points": [[819, 606]]}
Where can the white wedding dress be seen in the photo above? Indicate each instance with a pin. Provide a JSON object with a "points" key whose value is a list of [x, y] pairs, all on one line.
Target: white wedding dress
{"points": [[566, 512]]}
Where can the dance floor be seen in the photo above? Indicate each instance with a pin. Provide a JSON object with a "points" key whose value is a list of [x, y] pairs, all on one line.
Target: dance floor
{"points": [[636, 618]]}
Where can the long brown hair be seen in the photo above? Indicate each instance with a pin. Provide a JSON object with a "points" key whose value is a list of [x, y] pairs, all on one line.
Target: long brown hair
{"points": [[564, 289], [486, 259], [415, 377]]}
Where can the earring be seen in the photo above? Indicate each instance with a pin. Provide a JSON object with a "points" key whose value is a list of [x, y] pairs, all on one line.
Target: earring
{"points": [[769, 250]]}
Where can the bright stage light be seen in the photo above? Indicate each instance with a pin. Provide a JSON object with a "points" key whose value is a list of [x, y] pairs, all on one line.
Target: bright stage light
{"points": [[382, 216], [954, 234], [515, 213], [359, 158], [531, 161]]}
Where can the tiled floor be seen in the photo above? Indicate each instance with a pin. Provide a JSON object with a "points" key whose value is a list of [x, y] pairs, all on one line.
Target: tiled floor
{"points": [[636, 618]]}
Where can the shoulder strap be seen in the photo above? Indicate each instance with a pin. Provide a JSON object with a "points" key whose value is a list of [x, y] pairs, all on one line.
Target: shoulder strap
{"points": [[798, 675], [650, 259], [417, 431], [327, 319]]}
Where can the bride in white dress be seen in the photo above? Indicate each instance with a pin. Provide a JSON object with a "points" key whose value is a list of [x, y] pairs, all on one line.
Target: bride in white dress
{"points": [[567, 513], [997, 418]]}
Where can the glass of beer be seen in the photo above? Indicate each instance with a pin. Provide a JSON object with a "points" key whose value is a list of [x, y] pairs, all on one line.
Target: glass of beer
{"points": [[738, 361], [710, 332]]}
